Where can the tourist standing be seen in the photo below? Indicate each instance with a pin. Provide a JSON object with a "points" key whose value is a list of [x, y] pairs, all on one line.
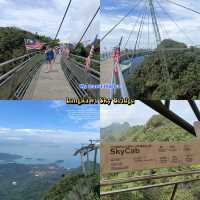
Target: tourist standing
{"points": [[50, 56]]}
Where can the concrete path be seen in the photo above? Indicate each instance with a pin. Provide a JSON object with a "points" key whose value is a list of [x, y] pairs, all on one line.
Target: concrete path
{"points": [[106, 76], [51, 85]]}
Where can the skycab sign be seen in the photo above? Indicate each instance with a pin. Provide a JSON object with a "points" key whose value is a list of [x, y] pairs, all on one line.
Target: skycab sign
{"points": [[124, 157]]}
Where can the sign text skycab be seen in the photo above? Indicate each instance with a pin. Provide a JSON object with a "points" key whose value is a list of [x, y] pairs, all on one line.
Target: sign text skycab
{"points": [[120, 157]]}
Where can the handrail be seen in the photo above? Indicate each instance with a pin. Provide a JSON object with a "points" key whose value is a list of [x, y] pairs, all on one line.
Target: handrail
{"points": [[147, 177], [147, 187], [121, 82], [83, 58], [13, 70], [83, 66], [123, 88], [16, 59], [76, 74], [112, 83], [14, 82]]}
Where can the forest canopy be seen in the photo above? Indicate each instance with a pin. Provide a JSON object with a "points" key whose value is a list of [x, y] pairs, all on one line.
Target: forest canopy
{"points": [[12, 42], [149, 80]]}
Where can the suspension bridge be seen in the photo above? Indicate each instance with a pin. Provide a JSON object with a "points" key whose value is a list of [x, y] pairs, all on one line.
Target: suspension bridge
{"points": [[148, 35], [25, 77]]}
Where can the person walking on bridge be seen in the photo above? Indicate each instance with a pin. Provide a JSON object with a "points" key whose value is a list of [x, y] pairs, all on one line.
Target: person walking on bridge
{"points": [[55, 55], [50, 58]]}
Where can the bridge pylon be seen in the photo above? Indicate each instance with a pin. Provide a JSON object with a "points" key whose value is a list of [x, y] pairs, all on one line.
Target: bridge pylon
{"points": [[154, 22]]}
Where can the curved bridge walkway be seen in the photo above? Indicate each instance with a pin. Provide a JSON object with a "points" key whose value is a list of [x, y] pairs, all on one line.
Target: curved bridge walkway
{"points": [[51, 85], [106, 76]]}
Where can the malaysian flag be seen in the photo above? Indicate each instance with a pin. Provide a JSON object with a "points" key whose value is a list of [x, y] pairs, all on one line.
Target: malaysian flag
{"points": [[116, 56], [33, 44], [91, 54]]}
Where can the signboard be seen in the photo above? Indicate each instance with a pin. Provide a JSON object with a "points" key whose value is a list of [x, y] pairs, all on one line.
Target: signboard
{"points": [[121, 157]]}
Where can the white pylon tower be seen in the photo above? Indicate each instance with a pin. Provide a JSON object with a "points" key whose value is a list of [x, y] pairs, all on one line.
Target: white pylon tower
{"points": [[154, 22], [165, 71]]}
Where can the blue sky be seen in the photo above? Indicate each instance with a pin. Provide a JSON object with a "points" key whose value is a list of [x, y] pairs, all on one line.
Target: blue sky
{"points": [[139, 113], [51, 121], [44, 17], [113, 11]]}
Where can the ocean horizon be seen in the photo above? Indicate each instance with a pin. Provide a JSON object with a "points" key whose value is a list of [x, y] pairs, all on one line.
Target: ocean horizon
{"points": [[43, 154]]}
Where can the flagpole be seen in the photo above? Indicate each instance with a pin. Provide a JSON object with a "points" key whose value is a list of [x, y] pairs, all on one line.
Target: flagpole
{"points": [[91, 54], [25, 46]]}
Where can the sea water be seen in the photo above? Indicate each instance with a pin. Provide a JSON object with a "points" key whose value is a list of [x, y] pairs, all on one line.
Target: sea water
{"points": [[44, 153]]}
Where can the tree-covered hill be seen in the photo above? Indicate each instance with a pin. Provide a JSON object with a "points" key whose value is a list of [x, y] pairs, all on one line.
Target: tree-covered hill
{"points": [[149, 80], [75, 186], [12, 42], [46, 182], [169, 43], [31, 181], [158, 128], [114, 130]]}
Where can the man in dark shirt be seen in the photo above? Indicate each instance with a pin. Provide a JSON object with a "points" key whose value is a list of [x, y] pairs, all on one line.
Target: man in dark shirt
{"points": [[50, 57]]}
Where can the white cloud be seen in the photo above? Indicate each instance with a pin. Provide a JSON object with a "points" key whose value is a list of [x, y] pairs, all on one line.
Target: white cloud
{"points": [[187, 20], [136, 114], [139, 113], [48, 135], [45, 16], [4, 130], [3, 2], [56, 104], [92, 125]]}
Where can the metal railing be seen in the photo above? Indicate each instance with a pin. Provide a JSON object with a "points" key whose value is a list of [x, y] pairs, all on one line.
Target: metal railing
{"points": [[16, 75], [175, 184], [77, 74], [118, 79], [10, 64], [124, 73]]}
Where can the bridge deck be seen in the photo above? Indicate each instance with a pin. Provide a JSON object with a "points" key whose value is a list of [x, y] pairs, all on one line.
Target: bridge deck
{"points": [[106, 76], [51, 85]]}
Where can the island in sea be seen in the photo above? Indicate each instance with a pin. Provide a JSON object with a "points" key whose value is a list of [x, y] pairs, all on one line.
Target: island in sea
{"points": [[43, 181]]}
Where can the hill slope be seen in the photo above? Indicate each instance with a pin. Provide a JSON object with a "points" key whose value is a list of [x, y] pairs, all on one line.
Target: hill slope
{"points": [[158, 128], [114, 130], [28, 185], [12, 42], [184, 68], [75, 187]]}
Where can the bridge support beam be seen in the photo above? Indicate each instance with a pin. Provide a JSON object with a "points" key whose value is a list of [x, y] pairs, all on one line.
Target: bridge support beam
{"points": [[194, 108], [159, 107]]}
